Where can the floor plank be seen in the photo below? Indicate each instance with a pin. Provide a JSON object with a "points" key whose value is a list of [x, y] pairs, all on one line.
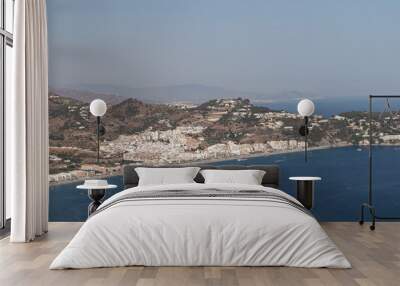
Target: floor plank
{"points": [[375, 257]]}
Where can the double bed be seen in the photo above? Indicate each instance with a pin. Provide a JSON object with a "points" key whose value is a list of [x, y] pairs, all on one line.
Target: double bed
{"points": [[201, 224]]}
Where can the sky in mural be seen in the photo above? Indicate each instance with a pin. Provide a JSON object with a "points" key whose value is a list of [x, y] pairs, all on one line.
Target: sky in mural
{"points": [[330, 48]]}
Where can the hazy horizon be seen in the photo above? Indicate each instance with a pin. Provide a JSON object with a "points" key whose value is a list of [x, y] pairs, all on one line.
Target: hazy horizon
{"points": [[273, 48]]}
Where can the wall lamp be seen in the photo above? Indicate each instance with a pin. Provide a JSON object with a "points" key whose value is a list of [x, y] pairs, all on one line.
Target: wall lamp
{"points": [[305, 108], [98, 108]]}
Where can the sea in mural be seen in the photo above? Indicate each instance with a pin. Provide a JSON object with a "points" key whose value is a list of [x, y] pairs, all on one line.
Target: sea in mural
{"points": [[338, 196]]}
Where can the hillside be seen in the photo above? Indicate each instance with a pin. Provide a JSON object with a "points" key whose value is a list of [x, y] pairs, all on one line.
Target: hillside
{"points": [[72, 127], [159, 133]]}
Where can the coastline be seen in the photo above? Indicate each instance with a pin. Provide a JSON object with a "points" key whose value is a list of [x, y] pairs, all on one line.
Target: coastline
{"points": [[255, 155], [344, 172], [210, 161]]}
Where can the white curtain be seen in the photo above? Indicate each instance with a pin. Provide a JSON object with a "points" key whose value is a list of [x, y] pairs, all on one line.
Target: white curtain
{"points": [[27, 123]]}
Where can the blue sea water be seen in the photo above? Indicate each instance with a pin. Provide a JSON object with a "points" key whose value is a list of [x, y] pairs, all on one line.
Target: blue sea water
{"points": [[336, 105], [338, 196]]}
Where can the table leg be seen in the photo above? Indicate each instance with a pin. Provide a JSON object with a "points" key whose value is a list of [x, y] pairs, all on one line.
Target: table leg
{"points": [[96, 196], [305, 193]]}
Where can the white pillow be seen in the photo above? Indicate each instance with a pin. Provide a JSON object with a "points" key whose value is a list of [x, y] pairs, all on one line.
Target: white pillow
{"points": [[248, 177], [165, 176]]}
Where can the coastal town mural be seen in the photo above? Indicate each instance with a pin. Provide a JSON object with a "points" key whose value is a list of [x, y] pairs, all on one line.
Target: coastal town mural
{"points": [[178, 133], [218, 82]]}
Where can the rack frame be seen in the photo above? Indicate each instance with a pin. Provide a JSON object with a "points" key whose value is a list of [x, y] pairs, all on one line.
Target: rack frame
{"points": [[369, 205]]}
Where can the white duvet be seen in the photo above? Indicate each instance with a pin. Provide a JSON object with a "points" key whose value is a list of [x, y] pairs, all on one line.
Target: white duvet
{"points": [[193, 231]]}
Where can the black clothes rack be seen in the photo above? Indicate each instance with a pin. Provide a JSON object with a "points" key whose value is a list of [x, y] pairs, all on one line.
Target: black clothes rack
{"points": [[370, 205]]}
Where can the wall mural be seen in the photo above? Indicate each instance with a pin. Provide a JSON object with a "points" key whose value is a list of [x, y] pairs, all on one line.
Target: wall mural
{"points": [[218, 82]]}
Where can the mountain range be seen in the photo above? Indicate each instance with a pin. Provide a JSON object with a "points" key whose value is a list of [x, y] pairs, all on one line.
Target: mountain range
{"points": [[197, 94], [187, 93]]}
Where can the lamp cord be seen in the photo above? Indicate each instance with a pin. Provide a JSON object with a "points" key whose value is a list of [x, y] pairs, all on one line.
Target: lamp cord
{"points": [[306, 137], [98, 139]]}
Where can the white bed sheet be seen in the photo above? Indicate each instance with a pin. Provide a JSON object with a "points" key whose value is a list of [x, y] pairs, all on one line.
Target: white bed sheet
{"points": [[202, 232]]}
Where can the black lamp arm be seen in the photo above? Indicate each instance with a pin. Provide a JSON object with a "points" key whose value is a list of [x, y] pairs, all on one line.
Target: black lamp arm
{"points": [[98, 138], [305, 137], [304, 132]]}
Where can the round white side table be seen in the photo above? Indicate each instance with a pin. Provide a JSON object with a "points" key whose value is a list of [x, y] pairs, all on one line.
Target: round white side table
{"points": [[305, 190], [96, 194]]}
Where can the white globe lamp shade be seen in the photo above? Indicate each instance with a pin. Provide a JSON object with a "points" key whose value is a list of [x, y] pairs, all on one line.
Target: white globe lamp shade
{"points": [[305, 107], [98, 107]]}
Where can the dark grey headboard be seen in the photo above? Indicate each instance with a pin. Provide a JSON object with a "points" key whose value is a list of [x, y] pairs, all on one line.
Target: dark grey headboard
{"points": [[271, 177]]}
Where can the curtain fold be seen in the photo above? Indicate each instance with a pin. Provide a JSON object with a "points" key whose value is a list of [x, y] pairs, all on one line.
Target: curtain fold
{"points": [[27, 155]]}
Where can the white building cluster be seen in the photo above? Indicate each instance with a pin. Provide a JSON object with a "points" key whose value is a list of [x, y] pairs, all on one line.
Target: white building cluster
{"points": [[179, 145]]}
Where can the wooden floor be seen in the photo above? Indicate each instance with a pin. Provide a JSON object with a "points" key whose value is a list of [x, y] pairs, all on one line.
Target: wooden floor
{"points": [[375, 257]]}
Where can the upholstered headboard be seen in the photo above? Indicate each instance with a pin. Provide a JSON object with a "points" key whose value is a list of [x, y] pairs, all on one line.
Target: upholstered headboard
{"points": [[271, 177]]}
